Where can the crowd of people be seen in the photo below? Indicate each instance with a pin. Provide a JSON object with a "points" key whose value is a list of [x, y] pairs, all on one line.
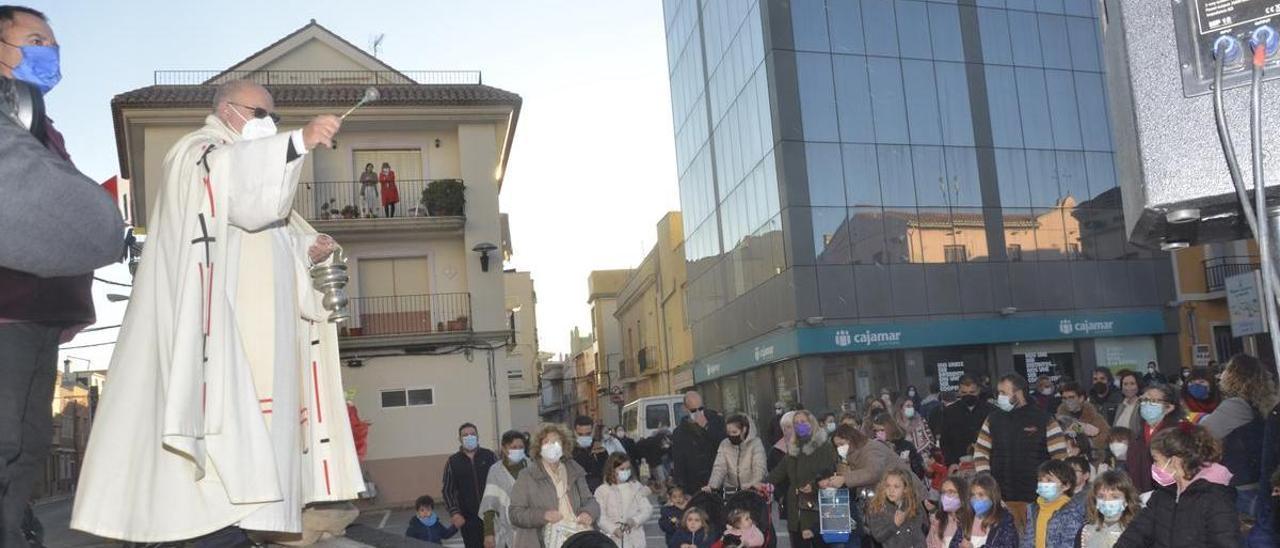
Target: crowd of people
{"points": [[1127, 460]]}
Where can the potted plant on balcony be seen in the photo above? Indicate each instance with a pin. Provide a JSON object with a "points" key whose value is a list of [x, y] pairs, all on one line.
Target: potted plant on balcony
{"points": [[445, 197]]}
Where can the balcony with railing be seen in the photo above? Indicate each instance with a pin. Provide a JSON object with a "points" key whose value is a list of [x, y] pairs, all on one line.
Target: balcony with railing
{"points": [[432, 317], [1218, 269], [319, 77], [418, 203]]}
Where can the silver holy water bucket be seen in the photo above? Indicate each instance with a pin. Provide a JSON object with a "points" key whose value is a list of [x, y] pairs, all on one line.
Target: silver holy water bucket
{"points": [[331, 279]]}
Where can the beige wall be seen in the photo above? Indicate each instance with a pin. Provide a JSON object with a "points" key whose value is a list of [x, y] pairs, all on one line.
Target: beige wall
{"points": [[313, 55], [478, 161], [523, 357], [401, 481], [651, 313]]}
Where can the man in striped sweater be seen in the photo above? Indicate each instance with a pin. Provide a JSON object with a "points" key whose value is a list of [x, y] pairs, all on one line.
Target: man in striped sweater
{"points": [[1013, 442]]}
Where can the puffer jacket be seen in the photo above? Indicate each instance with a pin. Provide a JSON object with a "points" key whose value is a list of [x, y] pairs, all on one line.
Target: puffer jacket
{"points": [[534, 494], [740, 465], [804, 465], [622, 503], [1064, 525], [1203, 516]]}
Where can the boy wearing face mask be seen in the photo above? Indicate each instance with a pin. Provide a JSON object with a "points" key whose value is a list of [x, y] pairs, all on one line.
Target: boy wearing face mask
{"points": [[425, 524], [465, 476], [1057, 516]]}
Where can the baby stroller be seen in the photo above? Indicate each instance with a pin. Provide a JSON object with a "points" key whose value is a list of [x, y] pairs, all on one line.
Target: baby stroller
{"points": [[589, 539], [760, 505], [713, 505]]}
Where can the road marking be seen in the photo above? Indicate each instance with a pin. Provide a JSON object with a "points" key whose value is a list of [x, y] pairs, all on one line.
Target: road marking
{"points": [[385, 514]]}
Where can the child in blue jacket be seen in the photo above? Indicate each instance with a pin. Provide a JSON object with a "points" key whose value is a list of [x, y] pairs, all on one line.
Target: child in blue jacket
{"points": [[425, 525]]}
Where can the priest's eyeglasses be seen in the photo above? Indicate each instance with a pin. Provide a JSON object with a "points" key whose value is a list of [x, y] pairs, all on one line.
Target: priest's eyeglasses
{"points": [[258, 112]]}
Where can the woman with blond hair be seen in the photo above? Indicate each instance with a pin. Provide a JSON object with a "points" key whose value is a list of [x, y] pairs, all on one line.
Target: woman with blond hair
{"points": [[886, 430], [1238, 423], [552, 490]]}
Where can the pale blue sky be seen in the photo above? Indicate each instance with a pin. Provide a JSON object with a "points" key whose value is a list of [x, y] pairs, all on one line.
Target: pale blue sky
{"points": [[592, 167]]}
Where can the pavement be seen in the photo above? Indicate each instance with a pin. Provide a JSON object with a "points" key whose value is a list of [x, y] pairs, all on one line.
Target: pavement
{"points": [[375, 528]]}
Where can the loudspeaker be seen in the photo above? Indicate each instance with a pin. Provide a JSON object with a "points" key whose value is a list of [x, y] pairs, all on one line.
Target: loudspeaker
{"points": [[1159, 72]]}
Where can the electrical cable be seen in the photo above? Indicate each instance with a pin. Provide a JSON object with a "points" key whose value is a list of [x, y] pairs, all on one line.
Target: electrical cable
{"points": [[1263, 231]]}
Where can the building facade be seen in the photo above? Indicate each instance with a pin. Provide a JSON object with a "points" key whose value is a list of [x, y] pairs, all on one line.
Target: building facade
{"points": [[427, 347], [602, 298], [894, 193], [1204, 318], [655, 339], [523, 357]]}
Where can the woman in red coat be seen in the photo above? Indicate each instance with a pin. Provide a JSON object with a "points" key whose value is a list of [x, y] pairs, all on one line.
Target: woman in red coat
{"points": [[390, 194]]}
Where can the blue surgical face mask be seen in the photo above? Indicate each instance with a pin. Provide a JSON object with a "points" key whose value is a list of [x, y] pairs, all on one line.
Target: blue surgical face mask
{"points": [[39, 66], [1005, 403], [1198, 391], [429, 521], [470, 442], [980, 506], [1048, 490], [515, 455], [1111, 509], [584, 441], [624, 476], [1151, 411]]}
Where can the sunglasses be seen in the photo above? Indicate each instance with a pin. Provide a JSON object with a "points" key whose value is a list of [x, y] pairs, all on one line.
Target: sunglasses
{"points": [[258, 112]]}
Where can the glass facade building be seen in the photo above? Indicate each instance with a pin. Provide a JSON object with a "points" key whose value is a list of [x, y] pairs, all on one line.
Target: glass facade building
{"points": [[894, 163]]}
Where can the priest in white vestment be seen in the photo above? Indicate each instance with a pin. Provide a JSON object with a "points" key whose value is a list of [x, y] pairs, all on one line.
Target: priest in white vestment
{"points": [[225, 406]]}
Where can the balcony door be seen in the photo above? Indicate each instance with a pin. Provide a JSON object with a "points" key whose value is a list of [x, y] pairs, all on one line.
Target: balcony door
{"points": [[408, 167], [395, 296]]}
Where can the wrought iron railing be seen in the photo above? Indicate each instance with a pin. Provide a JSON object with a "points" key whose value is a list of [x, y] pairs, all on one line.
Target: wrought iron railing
{"points": [[409, 315], [1218, 269], [332, 200], [318, 77]]}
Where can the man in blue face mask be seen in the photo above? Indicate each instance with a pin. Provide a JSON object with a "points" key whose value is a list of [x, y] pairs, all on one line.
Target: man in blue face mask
{"points": [[465, 476], [57, 226]]}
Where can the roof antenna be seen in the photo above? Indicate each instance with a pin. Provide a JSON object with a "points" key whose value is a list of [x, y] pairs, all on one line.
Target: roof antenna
{"points": [[377, 43]]}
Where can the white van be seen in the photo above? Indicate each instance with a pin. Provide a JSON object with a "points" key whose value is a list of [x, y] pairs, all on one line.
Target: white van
{"points": [[644, 417]]}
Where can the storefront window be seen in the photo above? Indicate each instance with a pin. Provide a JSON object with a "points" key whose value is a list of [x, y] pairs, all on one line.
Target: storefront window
{"points": [[948, 363], [731, 395], [787, 380], [1055, 359], [1130, 353]]}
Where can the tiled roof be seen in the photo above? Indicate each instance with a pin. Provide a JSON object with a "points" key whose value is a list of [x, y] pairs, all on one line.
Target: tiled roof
{"points": [[325, 95]]}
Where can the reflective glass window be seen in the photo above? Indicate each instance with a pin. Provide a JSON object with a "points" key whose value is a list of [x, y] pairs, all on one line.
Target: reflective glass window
{"points": [[1011, 174], [933, 188], [1042, 177], [1020, 232], [953, 99], [880, 27], [936, 233], [826, 176], [1072, 178], [809, 25], [1033, 106], [962, 177], [1002, 98], [817, 97], [1051, 235], [913, 25], [922, 90], [902, 235], [1063, 110], [1049, 6], [1091, 96], [861, 175], [830, 239], [1102, 172], [1024, 39], [1024, 5], [853, 99], [944, 27], [844, 19], [969, 230], [1083, 8], [1053, 41], [867, 236], [1084, 43], [1101, 234], [896, 182], [994, 25], [887, 100]]}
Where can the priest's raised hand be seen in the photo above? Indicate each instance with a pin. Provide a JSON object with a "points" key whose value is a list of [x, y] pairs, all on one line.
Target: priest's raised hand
{"points": [[225, 377]]}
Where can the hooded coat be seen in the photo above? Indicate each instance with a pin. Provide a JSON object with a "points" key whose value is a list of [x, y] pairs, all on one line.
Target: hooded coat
{"points": [[738, 466], [622, 503], [807, 461], [1202, 516]]}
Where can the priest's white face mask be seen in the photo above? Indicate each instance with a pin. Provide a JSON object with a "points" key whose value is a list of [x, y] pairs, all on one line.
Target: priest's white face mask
{"points": [[256, 127]]}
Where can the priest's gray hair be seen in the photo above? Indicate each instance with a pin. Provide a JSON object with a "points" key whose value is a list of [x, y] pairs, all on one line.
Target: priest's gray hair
{"points": [[229, 89]]}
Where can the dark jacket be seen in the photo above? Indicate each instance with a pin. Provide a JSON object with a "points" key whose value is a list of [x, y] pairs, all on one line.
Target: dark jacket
{"points": [[701, 539], [958, 428], [464, 481], [1108, 404], [58, 226], [1002, 535], [1019, 443], [1204, 516], [435, 533], [891, 535], [804, 465], [1138, 457], [592, 464], [693, 450], [669, 521]]}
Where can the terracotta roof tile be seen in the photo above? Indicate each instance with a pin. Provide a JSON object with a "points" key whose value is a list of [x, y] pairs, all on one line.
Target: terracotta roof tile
{"points": [[326, 94]]}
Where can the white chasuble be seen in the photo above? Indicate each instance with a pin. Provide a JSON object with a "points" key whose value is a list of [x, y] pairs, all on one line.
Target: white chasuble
{"points": [[224, 365]]}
